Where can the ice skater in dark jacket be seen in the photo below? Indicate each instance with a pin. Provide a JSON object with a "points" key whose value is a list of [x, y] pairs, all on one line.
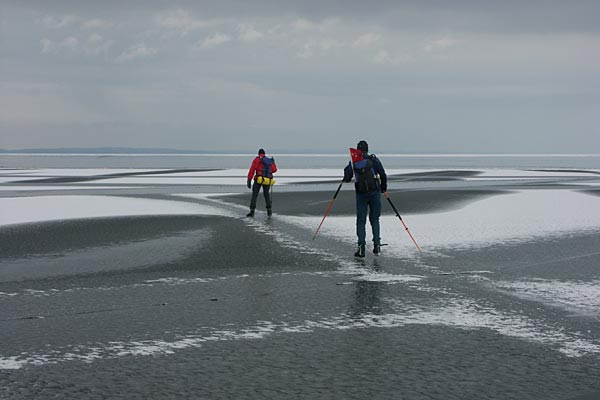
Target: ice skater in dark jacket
{"points": [[370, 181], [261, 172]]}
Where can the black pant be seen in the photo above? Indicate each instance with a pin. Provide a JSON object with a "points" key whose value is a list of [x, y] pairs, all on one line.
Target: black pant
{"points": [[255, 189]]}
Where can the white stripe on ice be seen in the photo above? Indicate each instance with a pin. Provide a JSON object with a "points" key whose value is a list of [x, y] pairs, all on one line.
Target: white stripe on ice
{"points": [[209, 180], [327, 173], [29, 188], [563, 173], [236, 176], [456, 313], [371, 276], [9, 179], [17, 210], [589, 183], [571, 295], [61, 172], [499, 219], [242, 173]]}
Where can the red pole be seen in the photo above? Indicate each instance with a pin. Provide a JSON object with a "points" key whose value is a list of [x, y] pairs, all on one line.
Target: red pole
{"points": [[401, 220], [328, 209]]}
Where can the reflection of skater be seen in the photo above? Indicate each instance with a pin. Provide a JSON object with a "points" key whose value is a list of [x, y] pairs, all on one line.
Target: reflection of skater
{"points": [[367, 299], [261, 171], [370, 181]]}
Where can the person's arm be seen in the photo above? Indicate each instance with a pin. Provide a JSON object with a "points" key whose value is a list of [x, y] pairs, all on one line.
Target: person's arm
{"points": [[382, 175], [273, 165], [251, 172], [253, 168], [348, 172]]}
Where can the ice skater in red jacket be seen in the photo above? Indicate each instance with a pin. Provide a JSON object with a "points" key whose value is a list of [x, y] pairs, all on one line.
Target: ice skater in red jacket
{"points": [[261, 172]]}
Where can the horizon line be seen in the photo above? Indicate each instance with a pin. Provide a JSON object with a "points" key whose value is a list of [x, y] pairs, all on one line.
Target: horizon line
{"points": [[237, 154]]}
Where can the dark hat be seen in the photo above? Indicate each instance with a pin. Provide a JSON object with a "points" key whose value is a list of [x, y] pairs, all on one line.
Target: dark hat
{"points": [[261, 151], [362, 145]]}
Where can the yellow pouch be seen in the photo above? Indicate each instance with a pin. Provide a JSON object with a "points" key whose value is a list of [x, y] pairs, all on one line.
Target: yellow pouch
{"points": [[263, 180]]}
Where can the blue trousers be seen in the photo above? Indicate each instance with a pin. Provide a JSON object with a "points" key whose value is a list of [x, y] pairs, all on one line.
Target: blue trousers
{"points": [[368, 204]]}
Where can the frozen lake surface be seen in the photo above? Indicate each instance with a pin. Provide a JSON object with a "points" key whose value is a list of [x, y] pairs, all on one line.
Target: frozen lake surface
{"points": [[152, 281]]}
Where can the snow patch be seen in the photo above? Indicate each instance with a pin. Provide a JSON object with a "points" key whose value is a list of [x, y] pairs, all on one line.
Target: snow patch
{"points": [[501, 219], [30, 188], [571, 295], [18, 210]]}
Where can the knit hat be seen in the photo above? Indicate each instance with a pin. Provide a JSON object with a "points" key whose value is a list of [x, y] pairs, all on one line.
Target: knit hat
{"points": [[261, 151], [362, 145]]}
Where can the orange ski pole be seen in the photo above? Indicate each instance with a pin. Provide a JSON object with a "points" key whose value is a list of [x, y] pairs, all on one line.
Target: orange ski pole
{"points": [[401, 220], [328, 209]]}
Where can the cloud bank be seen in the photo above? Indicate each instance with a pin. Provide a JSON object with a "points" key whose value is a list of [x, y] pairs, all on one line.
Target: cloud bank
{"points": [[460, 77]]}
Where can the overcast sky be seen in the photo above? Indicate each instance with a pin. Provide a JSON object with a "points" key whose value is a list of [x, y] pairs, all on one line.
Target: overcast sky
{"points": [[407, 76]]}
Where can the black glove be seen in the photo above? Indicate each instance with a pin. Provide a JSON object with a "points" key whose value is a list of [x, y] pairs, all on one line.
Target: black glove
{"points": [[383, 188], [272, 159], [249, 184]]}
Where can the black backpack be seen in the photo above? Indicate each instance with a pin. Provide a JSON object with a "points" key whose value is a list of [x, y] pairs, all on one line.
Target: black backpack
{"points": [[365, 176]]}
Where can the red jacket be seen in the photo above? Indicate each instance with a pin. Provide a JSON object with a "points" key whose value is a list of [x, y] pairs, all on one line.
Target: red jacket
{"points": [[257, 167]]}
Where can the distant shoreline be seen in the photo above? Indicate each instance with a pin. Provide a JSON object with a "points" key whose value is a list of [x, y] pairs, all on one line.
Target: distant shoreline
{"points": [[211, 154], [131, 151]]}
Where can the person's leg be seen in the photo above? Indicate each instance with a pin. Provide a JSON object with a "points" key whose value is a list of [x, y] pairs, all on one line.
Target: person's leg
{"points": [[267, 193], [374, 213], [255, 190], [361, 217]]}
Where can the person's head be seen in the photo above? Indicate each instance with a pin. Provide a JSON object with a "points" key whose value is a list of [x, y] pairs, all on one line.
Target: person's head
{"points": [[362, 145], [261, 152]]}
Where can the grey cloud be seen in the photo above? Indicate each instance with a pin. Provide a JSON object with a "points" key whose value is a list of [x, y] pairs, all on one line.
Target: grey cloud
{"points": [[418, 15], [60, 21], [68, 43], [456, 75], [214, 40], [137, 51], [97, 23]]}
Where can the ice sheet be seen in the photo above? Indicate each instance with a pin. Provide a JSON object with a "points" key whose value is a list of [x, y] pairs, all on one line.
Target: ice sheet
{"points": [[17, 210]]}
